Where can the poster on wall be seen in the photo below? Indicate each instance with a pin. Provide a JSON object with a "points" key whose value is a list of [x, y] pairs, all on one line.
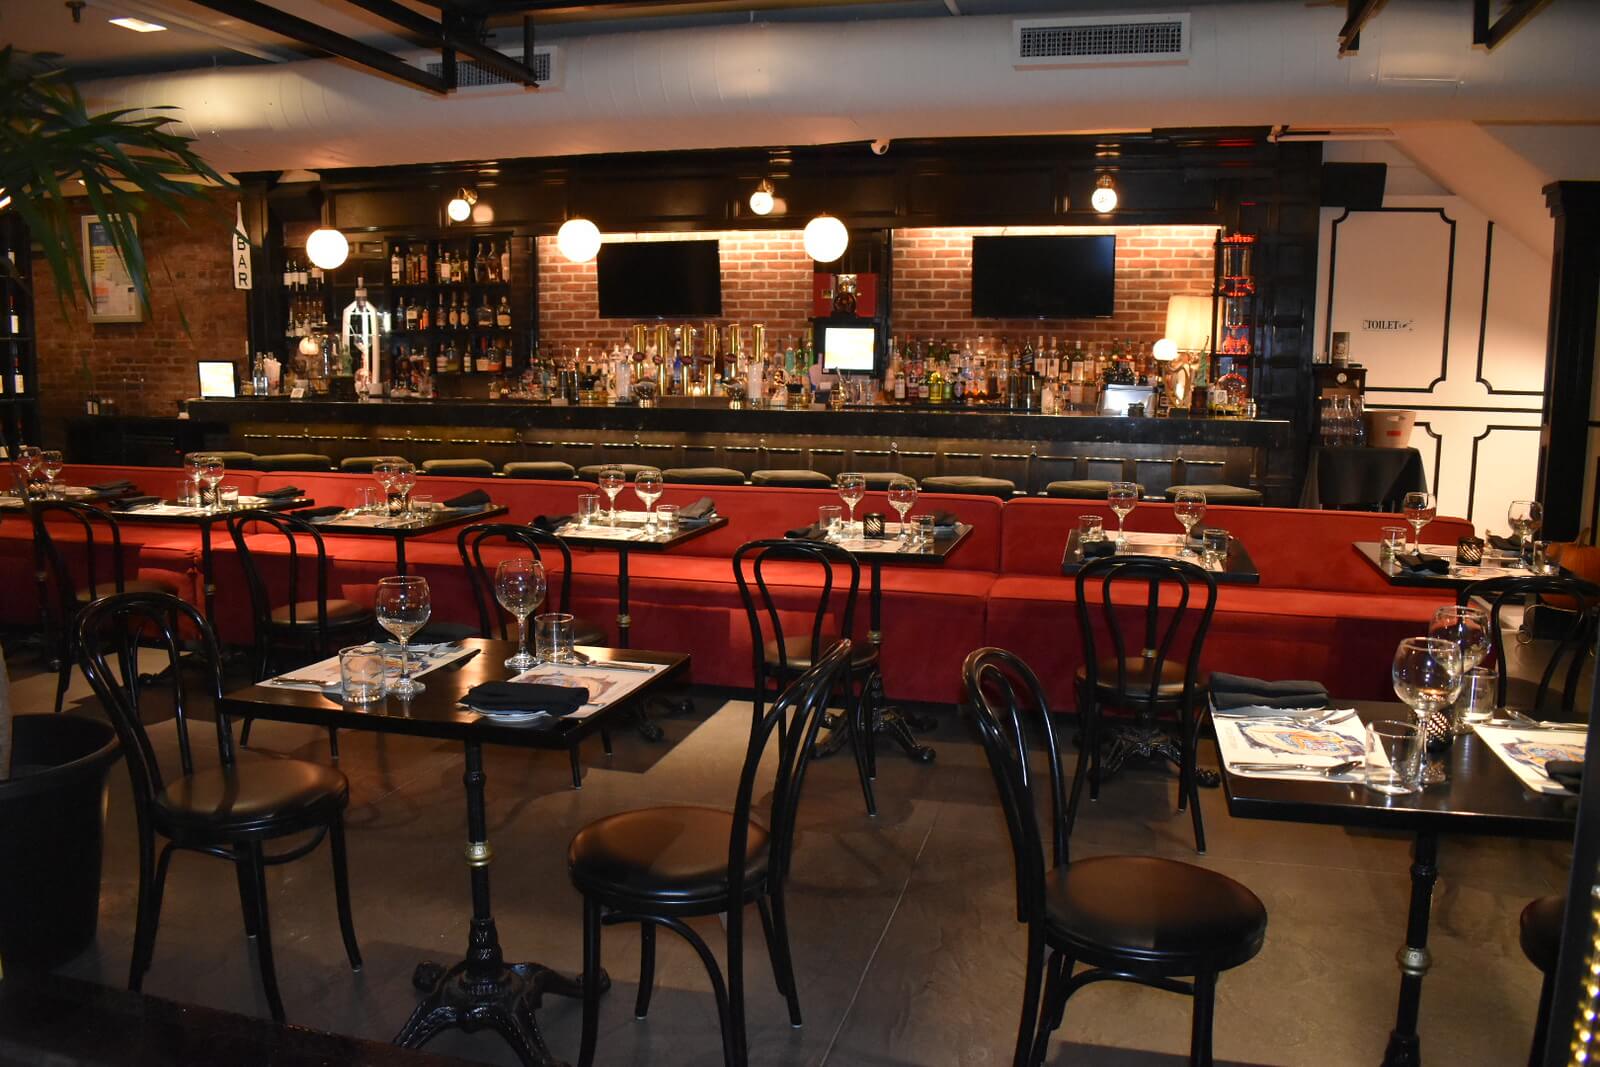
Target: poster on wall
{"points": [[114, 299]]}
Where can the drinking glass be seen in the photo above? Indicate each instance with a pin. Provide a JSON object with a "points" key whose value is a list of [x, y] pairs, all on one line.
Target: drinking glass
{"points": [[1419, 510], [50, 464], [647, 487], [1123, 497], [1393, 757], [902, 497], [667, 519], [1525, 517], [27, 461], [186, 495], [194, 464], [830, 517], [212, 474], [228, 498], [404, 479], [519, 586], [420, 506], [1467, 628], [369, 500], [1189, 507], [1091, 528], [1214, 546], [589, 510], [1427, 677], [361, 674], [611, 483], [1393, 543], [403, 606], [552, 633], [922, 530], [383, 473], [852, 488], [1476, 702], [1543, 557]]}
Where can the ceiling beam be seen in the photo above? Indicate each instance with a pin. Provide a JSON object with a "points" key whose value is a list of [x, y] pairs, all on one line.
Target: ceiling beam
{"points": [[446, 36], [1357, 14], [1493, 34]]}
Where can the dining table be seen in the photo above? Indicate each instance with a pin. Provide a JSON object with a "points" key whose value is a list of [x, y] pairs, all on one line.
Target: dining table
{"points": [[1480, 794], [482, 991], [1458, 576], [404, 526], [1236, 568]]}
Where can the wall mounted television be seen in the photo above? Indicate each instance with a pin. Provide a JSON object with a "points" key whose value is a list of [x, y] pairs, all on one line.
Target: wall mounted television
{"points": [[1044, 277], [659, 280]]}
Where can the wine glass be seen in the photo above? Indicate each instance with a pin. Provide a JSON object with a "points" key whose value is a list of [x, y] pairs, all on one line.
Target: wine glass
{"points": [[1123, 497], [852, 487], [1467, 629], [1525, 517], [194, 464], [404, 479], [1419, 509], [647, 487], [211, 473], [28, 461], [902, 497], [403, 606], [519, 586], [1189, 507], [383, 473], [1427, 675], [611, 483]]}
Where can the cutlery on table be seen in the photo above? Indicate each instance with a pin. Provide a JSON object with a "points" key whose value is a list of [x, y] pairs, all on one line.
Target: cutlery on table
{"points": [[1326, 769]]}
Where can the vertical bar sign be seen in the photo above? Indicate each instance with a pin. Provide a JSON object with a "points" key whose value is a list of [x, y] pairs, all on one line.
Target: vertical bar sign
{"points": [[241, 251]]}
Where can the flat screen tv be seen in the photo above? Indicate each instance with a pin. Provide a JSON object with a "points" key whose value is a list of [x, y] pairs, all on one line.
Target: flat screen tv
{"points": [[659, 280], [1061, 277]]}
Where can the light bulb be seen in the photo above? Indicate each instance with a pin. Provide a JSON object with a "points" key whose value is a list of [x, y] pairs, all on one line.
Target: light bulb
{"points": [[1166, 350], [826, 238], [761, 201], [578, 239], [309, 346], [1104, 197], [327, 248], [460, 207]]}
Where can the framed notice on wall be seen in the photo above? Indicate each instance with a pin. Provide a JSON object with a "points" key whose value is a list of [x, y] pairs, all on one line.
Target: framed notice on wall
{"points": [[114, 298]]}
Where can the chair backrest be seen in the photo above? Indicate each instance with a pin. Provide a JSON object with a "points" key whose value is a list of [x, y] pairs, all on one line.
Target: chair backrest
{"points": [[480, 575], [1574, 604], [1169, 632], [816, 584], [305, 550], [100, 576], [1005, 698], [119, 626]]}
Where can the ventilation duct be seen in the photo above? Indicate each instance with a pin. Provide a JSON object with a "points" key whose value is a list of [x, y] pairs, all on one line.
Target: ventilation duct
{"points": [[470, 74], [1111, 40]]}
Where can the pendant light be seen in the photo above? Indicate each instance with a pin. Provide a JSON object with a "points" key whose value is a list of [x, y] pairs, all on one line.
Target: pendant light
{"points": [[578, 239], [460, 207], [762, 200], [1104, 197], [826, 238]]}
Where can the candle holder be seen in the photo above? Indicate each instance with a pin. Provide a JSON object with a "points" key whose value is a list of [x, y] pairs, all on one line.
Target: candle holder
{"points": [[872, 524]]}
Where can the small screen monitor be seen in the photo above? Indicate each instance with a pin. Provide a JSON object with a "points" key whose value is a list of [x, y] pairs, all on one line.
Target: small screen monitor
{"points": [[850, 349], [216, 378]]}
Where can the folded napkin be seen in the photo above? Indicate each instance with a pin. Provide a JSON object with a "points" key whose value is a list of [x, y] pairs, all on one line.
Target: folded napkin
{"points": [[550, 523], [701, 510], [319, 513], [526, 696], [1096, 549], [287, 492], [807, 533], [1568, 772], [1230, 691], [468, 499], [945, 520], [128, 503], [1421, 563], [112, 487], [1504, 544]]}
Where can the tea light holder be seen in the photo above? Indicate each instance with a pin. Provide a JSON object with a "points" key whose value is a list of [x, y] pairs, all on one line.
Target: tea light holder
{"points": [[872, 524]]}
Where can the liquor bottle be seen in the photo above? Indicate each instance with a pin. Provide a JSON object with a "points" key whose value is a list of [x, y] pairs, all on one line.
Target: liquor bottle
{"points": [[897, 370], [394, 265], [442, 269], [411, 315], [935, 384], [13, 317], [502, 315], [485, 313], [505, 262], [1025, 359]]}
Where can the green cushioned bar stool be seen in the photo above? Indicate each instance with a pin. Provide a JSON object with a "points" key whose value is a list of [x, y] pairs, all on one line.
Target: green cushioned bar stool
{"points": [[236, 461], [878, 481], [364, 464], [970, 485], [295, 461], [792, 479], [458, 468], [590, 471], [702, 476], [1082, 489], [1236, 495], [548, 470]]}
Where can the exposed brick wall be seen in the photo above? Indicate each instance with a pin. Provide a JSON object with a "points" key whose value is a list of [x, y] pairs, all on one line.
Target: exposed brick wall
{"points": [[189, 268]]}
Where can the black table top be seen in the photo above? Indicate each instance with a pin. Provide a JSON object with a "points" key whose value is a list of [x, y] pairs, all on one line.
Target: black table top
{"points": [[1457, 578], [1482, 796], [436, 712], [146, 518], [434, 522], [1237, 569], [887, 551], [575, 537]]}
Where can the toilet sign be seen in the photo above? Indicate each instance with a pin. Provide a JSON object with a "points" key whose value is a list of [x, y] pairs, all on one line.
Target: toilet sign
{"points": [[240, 251]]}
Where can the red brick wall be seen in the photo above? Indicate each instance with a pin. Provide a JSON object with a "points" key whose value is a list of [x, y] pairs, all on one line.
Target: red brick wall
{"points": [[188, 259]]}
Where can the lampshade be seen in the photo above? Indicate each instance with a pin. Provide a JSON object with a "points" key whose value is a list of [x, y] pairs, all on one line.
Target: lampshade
{"points": [[1164, 350], [826, 238], [1189, 321], [327, 248], [579, 240]]}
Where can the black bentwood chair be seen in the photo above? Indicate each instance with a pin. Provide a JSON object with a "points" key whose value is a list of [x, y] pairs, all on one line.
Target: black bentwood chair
{"points": [[231, 811], [660, 866], [781, 657], [1540, 934], [1139, 919], [1152, 672], [492, 621], [1565, 609]]}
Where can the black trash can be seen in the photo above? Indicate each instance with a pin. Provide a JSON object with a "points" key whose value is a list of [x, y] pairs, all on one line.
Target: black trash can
{"points": [[52, 821]]}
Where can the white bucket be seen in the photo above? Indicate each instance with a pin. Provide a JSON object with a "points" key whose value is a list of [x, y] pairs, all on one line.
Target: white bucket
{"points": [[1389, 429]]}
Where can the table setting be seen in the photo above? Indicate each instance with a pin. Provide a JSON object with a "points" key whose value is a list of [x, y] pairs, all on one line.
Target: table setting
{"points": [[1285, 730], [1209, 547]]}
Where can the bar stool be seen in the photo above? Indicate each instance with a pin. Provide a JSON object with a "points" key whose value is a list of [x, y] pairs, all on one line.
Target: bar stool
{"points": [[236, 461], [364, 464], [1083, 489], [590, 471], [550, 470], [1234, 495], [878, 481], [702, 476], [970, 485], [792, 479], [295, 461], [459, 468], [1540, 931]]}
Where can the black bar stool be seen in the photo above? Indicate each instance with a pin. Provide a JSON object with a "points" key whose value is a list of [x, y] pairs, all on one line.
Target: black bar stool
{"points": [[970, 485], [550, 470], [364, 464], [236, 461], [590, 471], [1234, 495], [792, 479], [702, 476], [1083, 489], [458, 468], [294, 461]]}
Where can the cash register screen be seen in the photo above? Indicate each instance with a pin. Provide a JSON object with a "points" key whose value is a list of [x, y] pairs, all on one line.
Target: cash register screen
{"points": [[849, 348], [216, 378]]}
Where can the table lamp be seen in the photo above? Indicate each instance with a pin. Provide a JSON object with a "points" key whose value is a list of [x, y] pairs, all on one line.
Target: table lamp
{"points": [[1182, 349]]}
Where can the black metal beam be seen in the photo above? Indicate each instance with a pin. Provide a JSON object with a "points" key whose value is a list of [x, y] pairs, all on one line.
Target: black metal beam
{"points": [[444, 34], [1493, 34], [325, 40], [1357, 14]]}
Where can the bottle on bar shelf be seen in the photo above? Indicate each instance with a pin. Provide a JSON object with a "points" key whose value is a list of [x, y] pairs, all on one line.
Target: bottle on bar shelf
{"points": [[483, 318], [505, 263]]}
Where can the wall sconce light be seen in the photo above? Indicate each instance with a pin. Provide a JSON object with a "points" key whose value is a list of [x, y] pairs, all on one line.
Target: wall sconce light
{"points": [[826, 238], [1104, 197], [327, 248], [578, 239], [761, 201], [460, 207]]}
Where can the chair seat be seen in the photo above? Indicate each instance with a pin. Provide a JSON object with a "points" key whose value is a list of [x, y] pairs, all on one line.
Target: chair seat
{"points": [[1082, 489], [666, 855], [1541, 931], [1170, 687], [553, 470], [591, 471], [702, 476], [462, 468], [364, 464], [131, 585], [294, 461], [340, 613], [791, 479], [1223, 494], [797, 652], [1174, 917], [254, 792], [970, 485], [878, 481]]}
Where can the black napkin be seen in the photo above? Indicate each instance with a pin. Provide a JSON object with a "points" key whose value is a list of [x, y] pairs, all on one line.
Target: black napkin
{"points": [[113, 487], [945, 520], [1504, 544], [127, 503], [701, 509], [1096, 549], [287, 492], [318, 513], [526, 696], [550, 523], [1241, 691], [471, 498], [807, 533], [1568, 772], [1418, 562]]}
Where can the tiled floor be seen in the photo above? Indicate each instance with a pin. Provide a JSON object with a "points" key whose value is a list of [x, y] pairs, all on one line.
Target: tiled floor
{"points": [[907, 951]]}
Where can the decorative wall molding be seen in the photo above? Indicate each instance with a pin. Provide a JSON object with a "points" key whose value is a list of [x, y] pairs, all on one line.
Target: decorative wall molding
{"points": [[1483, 319], [1472, 483]]}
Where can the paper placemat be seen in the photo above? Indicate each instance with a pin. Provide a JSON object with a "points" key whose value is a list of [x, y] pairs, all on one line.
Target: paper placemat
{"points": [[177, 510], [1527, 751], [606, 686], [602, 533], [324, 674], [1273, 736]]}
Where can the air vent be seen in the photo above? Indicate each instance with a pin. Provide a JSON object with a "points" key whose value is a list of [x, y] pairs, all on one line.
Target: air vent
{"points": [[470, 74], [1112, 40]]}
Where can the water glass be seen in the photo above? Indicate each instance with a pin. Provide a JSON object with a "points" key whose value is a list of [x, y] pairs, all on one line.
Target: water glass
{"points": [[588, 510], [361, 679], [1476, 702], [552, 638], [228, 497], [647, 487], [1541, 560], [1419, 509], [667, 519], [188, 494], [922, 529], [1123, 498], [1393, 543], [830, 520], [420, 505], [368, 500], [1215, 541], [1091, 528], [1393, 757], [51, 461]]}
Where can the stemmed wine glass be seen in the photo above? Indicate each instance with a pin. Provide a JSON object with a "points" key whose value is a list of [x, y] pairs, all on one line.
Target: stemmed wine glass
{"points": [[383, 473], [194, 464], [1427, 675], [403, 606], [1123, 497], [1419, 509], [902, 497], [1189, 507], [647, 487], [519, 586], [611, 483], [1467, 629], [50, 464], [404, 480], [28, 460], [211, 473], [1525, 517], [852, 487]]}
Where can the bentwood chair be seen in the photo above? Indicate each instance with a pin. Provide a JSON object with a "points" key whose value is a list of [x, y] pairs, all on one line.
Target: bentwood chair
{"points": [[492, 621], [1152, 670], [1567, 609], [233, 810], [827, 607], [1141, 919], [78, 559], [1540, 936], [660, 866]]}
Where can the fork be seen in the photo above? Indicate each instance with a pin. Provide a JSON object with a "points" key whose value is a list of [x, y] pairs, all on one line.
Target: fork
{"points": [[1325, 769]]}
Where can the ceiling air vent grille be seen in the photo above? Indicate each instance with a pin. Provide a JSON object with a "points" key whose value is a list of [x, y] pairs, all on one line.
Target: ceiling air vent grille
{"points": [[1100, 41], [470, 74]]}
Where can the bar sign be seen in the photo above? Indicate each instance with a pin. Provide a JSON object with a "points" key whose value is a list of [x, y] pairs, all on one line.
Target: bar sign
{"points": [[240, 251]]}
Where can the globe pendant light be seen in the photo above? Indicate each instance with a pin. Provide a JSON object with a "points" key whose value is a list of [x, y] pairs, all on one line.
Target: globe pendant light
{"points": [[327, 248], [578, 239], [460, 206], [1104, 197], [762, 201], [826, 238]]}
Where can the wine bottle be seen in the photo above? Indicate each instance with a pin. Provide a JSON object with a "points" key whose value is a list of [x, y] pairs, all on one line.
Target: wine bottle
{"points": [[505, 262], [502, 316]]}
